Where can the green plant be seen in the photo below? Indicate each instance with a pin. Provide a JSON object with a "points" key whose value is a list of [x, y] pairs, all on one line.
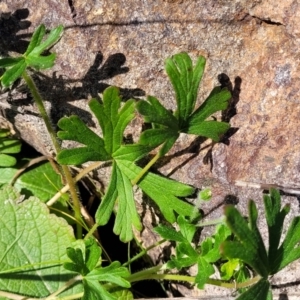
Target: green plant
{"points": [[8, 145], [40, 255]]}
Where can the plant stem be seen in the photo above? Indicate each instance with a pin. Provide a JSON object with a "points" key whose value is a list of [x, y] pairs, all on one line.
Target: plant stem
{"points": [[64, 287], [149, 274], [39, 102], [143, 252], [211, 222], [145, 169]]}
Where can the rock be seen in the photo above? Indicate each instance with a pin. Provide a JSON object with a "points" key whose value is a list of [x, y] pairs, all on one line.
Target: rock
{"points": [[251, 46]]}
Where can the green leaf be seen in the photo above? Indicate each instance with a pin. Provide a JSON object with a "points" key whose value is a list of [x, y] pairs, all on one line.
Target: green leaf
{"points": [[93, 290], [30, 236], [40, 62], [248, 248], [9, 61], [217, 100], [289, 250], [111, 118], [120, 189], [210, 129], [126, 213], [163, 191], [258, 291], [13, 73], [169, 233], [105, 209], [205, 270], [221, 234], [10, 145], [93, 254], [53, 37], [132, 152], [275, 218], [185, 81], [36, 38], [155, 112], [187, 229], [114, 273], [228, 268], [41, 181], [122, 294], [157, 136], [7, 161], [75, 129]]}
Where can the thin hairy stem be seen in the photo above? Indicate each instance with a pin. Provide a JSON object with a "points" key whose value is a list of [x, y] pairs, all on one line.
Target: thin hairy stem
{"points": [[39, 102]]}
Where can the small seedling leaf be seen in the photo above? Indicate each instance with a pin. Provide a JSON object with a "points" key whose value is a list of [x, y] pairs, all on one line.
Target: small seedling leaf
{"points": [[186, 228], [40, 62], [205, 270], [169, 233], [36, 39], [13, 73], [53, 37], [9, 61], [7, 161]]}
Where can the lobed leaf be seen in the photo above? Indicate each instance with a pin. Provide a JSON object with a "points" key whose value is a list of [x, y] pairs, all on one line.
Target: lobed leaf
{"points": [[126, 211], [111, 118], [248, 248], [205, 270], [163, 191], [120, 189], [289, 250], [217, 100], [13, 73], [210, 129], [36, 39], [186, 228], [53, 37], [275, 218], [154, 112], [9, 61], [185, 81], [75, 129], [169, 233]]}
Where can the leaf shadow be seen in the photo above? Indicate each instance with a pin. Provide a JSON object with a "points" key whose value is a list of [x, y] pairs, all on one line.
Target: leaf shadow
{"points": [[10, 25], [59, 90]]}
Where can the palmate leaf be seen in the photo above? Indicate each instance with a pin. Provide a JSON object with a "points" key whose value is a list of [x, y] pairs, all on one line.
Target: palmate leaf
{"points": [[32, 57], [249, 246], [164, 192], [85, 261], [185, 80], [113, 120]]}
